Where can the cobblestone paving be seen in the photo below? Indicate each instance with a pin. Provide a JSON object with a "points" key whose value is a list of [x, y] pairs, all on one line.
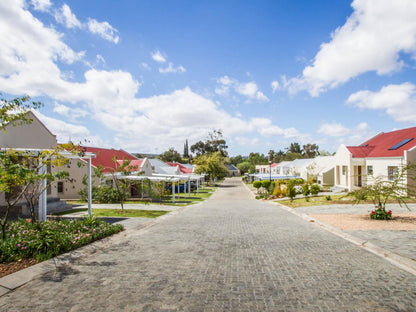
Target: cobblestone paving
{"points": [[400, 242], [231, 253]]}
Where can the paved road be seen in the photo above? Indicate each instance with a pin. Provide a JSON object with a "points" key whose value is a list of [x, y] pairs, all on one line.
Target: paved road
{"points": [[231, 253]]}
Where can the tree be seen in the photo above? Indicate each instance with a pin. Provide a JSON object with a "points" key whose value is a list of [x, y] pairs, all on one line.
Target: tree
{"points": [[290, 189], [381, 190], [236, 160], [292, 156], [213, 143], [295, 148], [171, 155], [186, 149], [15, 111], [211, 164], [122, 185], [244, 167], [310, 150]]}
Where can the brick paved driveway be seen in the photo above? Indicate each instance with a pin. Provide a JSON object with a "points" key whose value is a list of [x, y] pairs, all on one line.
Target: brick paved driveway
{"points": [[231, 253]]}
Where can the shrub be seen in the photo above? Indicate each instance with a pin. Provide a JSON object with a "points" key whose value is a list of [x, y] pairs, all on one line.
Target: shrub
{"points": [[305, 190], [290, 189], [257, 184], [381, 214], [45, 240], [277, 191], [265, 184], [315, 189], [328, 197], [300, 181]]}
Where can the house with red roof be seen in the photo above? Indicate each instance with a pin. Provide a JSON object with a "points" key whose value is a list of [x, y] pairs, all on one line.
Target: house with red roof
{"points": [[380, 156], [184, 169], [106, 159]]}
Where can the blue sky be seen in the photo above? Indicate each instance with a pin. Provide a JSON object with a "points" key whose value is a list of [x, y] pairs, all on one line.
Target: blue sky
{"points": [[147, 75]]}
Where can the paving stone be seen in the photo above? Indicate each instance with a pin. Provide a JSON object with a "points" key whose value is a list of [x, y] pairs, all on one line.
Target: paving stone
{"points": [[231, 253]]}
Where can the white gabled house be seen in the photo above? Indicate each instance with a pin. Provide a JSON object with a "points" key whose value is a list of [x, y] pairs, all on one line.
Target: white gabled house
{"points": [[380, 156]]}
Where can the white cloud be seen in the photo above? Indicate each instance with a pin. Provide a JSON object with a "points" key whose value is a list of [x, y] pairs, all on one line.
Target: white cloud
{"points": [[333, 129], [158, 57], [29, 51], [145, 66], [171, 69], [28, 64], [41, 5], [348, 136], [275, 86], [64, 131], [70, 113], [248, 89], [104, 30], [399, 101], [372, 39], [67, 18]]}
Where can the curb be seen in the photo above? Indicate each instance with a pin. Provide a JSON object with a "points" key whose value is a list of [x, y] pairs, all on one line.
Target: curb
{"points": [[399, 261], [12, 281]]}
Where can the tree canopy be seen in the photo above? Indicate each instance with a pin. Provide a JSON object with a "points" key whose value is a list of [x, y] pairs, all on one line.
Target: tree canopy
{"points": [[215, 142]]}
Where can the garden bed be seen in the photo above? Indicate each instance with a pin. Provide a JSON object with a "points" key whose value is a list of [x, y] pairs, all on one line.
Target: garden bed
{"points": [[27, 243]]}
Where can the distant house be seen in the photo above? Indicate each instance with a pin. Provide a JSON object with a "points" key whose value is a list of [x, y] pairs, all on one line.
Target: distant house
{"points": [[263, 169], [232, 170], [380, 156], [160, 167], [184, 168], [68, 189]]}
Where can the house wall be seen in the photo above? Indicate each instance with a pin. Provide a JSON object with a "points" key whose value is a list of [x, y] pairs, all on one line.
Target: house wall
{"points": [[411, 174], [30, 136], [380, 167], [146, 168], [342, 168], [77, 169], [34, 135]]}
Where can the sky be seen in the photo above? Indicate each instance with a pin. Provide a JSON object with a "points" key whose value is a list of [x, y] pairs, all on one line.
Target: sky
{"points": [[147, 75]]}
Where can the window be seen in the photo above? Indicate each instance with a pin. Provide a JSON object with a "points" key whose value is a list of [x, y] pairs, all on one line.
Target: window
{"points": [[344, 170], [393, 172], [60, 187], [370, 170], [400, 144]]}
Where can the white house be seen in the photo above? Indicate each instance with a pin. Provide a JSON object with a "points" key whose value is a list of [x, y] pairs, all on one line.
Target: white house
{"points": [[380, 156], [29, 136]]}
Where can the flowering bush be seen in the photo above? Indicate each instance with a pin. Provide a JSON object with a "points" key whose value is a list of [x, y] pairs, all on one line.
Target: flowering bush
{"points": [[45, 240], [380, 214]]}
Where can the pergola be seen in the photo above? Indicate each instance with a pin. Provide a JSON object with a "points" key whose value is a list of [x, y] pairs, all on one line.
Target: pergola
{"points": [[164, 178], [43, 198]]}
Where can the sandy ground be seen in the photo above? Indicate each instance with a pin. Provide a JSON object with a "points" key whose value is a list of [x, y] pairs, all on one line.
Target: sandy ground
{"points": [[348, 222]]}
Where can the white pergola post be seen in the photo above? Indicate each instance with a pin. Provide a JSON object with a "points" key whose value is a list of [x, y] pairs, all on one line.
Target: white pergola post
{"points": [[189, 188], [43, 197], [89, 187], [173, 191]]}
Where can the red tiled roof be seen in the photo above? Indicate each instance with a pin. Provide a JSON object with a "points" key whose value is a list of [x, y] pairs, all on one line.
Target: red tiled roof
{"points": [[182, 168], [104, 156], [274, 165], [134, 164], [379, 146]]}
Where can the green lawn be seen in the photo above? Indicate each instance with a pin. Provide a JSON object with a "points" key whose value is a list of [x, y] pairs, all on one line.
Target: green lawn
{"points": [[182, 199], [129, 213]]}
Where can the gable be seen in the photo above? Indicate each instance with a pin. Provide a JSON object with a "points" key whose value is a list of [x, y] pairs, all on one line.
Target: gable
{"points": [[34, 135], [390, 144], [104, 157]]}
